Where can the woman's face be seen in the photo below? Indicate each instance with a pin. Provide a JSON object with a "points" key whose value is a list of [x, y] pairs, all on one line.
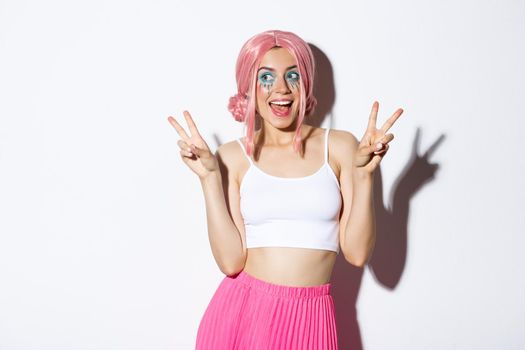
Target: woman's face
{"points": [[278, 88]]}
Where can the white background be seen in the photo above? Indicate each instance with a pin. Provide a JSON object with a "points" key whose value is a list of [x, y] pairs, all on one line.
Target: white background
{"points": [[103, 241]]}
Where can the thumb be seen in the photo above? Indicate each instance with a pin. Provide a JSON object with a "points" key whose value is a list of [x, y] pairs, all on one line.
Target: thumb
{"points": [[375, 161], [195, 150], [376, 147], [199, 152]]}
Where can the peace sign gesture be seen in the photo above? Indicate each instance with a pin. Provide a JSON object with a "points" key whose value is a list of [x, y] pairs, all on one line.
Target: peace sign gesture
{"points": [[194, 150], [374, 144]]}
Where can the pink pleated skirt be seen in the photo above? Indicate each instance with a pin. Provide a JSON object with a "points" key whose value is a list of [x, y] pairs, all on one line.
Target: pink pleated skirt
{"points": [[247, 313]]}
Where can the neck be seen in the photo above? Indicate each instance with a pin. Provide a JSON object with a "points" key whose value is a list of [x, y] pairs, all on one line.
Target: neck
{"points": [[269, 135]]}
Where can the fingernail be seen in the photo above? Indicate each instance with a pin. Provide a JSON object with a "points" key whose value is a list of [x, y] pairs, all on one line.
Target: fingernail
{"points": [[379, 145]]}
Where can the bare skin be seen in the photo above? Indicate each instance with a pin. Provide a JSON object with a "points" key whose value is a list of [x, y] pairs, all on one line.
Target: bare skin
{"points": [[288, 265], [275, 155]]}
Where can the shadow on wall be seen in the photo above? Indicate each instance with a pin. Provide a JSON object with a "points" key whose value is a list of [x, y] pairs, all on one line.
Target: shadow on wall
{"points": [[388, 260]]}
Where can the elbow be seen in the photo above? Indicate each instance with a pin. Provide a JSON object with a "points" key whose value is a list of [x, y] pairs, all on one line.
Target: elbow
{"points": [[359, 258], [356, 262], [359, 263], [235, 267], [231, 271]]}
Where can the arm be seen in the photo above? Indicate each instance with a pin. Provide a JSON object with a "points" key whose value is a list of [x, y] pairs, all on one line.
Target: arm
{"points": [[360, 232], [357, 222], [226, 241]]}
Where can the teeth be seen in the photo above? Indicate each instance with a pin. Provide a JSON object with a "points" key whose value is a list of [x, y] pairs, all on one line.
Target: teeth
{"points": [[282, 103]]}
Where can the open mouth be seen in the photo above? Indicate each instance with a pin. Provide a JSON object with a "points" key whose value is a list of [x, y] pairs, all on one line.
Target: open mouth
{"points": [[281, 108]]}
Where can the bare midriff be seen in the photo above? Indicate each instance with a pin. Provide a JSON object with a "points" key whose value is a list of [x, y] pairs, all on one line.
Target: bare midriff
{"points": [[296, 267], [290, 266]]}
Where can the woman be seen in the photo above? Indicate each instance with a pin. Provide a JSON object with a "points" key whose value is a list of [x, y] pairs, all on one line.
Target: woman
{"points": [[276, 218]]}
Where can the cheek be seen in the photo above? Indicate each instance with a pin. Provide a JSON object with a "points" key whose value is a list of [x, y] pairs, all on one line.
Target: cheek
{"points": [[262, 95], [262, 92], [297, 98]]}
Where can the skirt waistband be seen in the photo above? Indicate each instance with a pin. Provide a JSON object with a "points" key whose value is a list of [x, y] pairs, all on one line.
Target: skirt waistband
{"points": [[282, 290]]}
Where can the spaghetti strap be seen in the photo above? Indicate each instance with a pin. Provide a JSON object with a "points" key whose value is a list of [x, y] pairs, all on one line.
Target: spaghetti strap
{"points": [[244, 151], [326, 146]]}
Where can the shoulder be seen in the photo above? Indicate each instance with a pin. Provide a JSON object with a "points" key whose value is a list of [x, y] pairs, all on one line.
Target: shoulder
{"points": [[229, 155], [342, 145], [342, 138], [228, 149]]}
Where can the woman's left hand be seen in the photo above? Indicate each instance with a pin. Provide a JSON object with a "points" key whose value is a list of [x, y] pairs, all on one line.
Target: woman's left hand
{"points": [[369, 155]]}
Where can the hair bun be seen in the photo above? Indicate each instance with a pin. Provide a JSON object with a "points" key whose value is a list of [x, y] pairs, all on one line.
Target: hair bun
{"points": [[237, 107]]}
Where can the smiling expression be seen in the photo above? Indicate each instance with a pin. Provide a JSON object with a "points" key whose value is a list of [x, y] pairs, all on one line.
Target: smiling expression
{"points": [[278, 93]]}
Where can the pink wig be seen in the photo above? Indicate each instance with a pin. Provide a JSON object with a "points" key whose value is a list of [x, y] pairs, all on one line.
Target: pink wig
{"points": [[242, 105]]}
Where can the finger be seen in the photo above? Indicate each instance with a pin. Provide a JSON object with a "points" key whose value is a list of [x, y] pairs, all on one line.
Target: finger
{"points": [[191, 124], [372, 120], [388, 124], [197, 151], [382, 151], [375, 161], [366, 140], [180, 130], [416, 143], [185, 153], [190, 148], [376, 147], [386, 138], [184, 146]]}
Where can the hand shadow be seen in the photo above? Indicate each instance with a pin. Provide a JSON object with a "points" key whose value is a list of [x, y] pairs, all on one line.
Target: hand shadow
{"points": [[388, 259]]}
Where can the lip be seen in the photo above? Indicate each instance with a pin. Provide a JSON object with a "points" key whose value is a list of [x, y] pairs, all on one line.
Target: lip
{"points": [[280, 114], [281, 100]]}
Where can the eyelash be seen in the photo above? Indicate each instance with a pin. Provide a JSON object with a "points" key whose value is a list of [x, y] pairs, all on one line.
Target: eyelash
{"points": [[263, 76], [266, 83], [296, 74]]}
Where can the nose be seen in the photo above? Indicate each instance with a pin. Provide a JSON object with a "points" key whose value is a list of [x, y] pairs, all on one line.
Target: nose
{"points": [[281, 85]]}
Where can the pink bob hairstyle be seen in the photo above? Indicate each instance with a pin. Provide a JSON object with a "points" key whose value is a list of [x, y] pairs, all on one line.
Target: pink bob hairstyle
{"points": [[242, 105]]}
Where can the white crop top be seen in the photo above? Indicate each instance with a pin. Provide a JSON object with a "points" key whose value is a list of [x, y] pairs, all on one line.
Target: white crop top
{"points": [[300, 212]]}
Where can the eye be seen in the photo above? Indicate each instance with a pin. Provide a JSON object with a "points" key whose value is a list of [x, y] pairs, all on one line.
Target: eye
{"points": [[266, 78], [294, 76]]}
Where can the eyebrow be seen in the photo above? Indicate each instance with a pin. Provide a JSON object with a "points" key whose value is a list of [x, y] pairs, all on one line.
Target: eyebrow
{"points": [[273, 70]]}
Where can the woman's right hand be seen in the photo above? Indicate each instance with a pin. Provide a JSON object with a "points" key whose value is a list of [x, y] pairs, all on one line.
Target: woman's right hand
{"points": [[194, 150]]}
